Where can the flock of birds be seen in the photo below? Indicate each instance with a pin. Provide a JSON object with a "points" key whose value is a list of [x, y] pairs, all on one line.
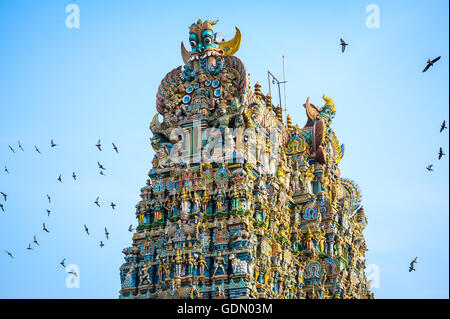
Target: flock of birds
{"points": [[74, 176], [441, 153]]}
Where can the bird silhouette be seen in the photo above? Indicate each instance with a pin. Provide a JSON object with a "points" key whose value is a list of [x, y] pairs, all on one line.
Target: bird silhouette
{"points": [[4, 196], [430, 167], [62, 263], [29, 247], [431, 63], [20, 146], [37, 150], [74, 176], [44, 229], [106, 233], [443, 127], [101, 166], [9, 254], [60, 179], [130, 229], [73, 273], [11, 149], [2, 207], [96, 202], [113, 205], [52, 144], [441, 153], [411, 265], [6, 170], [99, 145], [48, 212], [35, 240], [101, 173], [343, 45], [101, 244], [115, 148], [49, 199], [86, 229]]}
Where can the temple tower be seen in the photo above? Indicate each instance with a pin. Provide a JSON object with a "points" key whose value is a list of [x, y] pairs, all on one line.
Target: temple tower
{"points": [[239, 204]]}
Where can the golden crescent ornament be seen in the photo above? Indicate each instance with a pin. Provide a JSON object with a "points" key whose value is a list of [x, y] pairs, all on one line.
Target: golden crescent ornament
{"points": [[185, 54], [230, 47]]}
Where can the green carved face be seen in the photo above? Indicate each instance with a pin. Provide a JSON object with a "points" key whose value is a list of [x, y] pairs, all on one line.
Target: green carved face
{"points": [[327, 112], [205, 43]]}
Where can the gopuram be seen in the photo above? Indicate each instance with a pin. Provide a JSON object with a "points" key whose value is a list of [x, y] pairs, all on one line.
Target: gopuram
{"points": [[239, 203]]}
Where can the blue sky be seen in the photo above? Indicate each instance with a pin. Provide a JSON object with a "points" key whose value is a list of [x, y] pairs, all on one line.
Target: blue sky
{"points": [[100, 81]]}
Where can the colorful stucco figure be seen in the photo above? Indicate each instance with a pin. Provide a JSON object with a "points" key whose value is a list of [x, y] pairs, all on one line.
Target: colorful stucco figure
{"points": [[239, 203]]}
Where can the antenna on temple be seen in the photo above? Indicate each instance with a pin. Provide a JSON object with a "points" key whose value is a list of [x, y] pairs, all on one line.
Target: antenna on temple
{"points": [[284, 85], [275, 81]]}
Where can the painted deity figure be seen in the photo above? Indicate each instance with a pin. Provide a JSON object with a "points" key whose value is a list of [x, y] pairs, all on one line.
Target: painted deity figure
{"points": [[205, 201], [309, 241], [144, 275], [295, 181], [190, 260], [201, 265], [166, 268], [219, 263], [220, 201], [196, 205], [185, 205], [236, 198], [157, 214], [179, 260], [321, 243], [160, 271]]}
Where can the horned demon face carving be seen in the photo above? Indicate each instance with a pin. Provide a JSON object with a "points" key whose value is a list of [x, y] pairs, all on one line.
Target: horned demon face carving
{"points": [[205, 44]]}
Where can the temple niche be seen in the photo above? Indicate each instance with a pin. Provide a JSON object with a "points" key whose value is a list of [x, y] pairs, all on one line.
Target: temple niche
{"points": [[239, 203]]}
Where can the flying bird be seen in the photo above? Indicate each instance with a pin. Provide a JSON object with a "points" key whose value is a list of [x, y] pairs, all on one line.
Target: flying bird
{"points": [[4, 195], [101, 166], [113, 205], [35, 240], [430, 167], [52, 144], [99, 145], [29, 247], [343, 45], [20, 146], [443, 127], [44, 229], [48, 212], [411, 265], [6, 170], [73, 273], [441, 153], [86, 229], [2, 208], [96, 202], [59, 178], [101, 173], [130, 229], [101, 244], [106, 233], [115, 148], [37, 150], [49, 199], [11, 149], [9, 254], [62, 263], [430, 63], [74, 176]]}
